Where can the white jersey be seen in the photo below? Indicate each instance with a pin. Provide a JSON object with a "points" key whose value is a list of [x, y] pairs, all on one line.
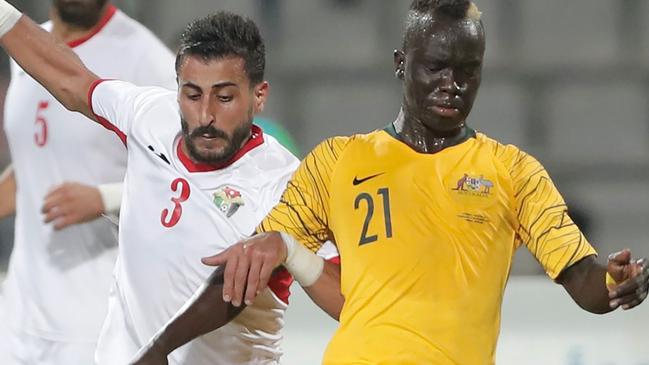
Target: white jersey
{"points": [[58, 282], [174, 212]]}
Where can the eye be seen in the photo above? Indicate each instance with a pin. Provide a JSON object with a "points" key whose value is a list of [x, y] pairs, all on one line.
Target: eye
{"points": [[435, 67], [225, 98], [193, 97]]}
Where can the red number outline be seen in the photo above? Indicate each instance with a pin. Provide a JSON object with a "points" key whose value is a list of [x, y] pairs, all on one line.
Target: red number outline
{"points": [[169, 220], [41, 138]]}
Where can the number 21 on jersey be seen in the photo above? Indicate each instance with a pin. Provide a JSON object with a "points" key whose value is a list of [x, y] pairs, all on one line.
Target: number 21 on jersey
{"points": [[170, 218], [384, 195]]}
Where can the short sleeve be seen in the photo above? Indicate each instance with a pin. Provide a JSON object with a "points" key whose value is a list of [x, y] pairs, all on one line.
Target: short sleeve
{"points": [[303, 210], [544, 225], [114, 104]]}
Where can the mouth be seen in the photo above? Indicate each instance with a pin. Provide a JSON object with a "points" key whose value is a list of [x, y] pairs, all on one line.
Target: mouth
{"points": [[446, 111]]}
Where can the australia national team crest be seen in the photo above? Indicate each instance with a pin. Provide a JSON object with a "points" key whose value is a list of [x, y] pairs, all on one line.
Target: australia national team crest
{"points": [[228, 200], [474, 185]]}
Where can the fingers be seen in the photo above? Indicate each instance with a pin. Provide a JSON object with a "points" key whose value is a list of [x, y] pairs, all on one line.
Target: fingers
{"points": [[240, 278], [620, 258], [253, 279], [629, 301], [215, 260], [228, 278], [633, 291]]}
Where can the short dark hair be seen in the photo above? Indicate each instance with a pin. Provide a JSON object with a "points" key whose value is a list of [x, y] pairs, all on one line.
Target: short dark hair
{"points": [[222, 35], [416, 20]]}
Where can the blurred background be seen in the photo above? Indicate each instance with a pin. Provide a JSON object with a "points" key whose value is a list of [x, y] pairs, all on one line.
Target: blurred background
{"points": [[566, 81]]}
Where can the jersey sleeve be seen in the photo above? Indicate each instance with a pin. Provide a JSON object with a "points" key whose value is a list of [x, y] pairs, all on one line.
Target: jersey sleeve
{"points": [[544, 225], [303, 210], [114, 104]]}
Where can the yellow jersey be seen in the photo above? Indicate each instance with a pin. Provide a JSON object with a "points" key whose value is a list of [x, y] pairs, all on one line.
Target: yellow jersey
{"points": [[425, 240]]}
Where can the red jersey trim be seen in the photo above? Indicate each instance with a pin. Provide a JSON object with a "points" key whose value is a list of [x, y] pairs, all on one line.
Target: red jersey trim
{"points": [[108, 15], [256, 139], [281, 280], [101, 120], [280, 283]]}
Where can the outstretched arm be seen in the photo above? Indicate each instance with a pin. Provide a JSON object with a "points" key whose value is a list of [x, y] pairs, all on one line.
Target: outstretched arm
{"points": [[243, 271], [7, 193], [627, 287], [249, 264], [49, 62], [203, 313]]}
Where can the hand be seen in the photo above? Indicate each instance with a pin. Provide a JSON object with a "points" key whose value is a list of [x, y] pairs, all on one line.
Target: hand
{"points": [[632, 278], [248, 266], [150, 355], [72, 203]]}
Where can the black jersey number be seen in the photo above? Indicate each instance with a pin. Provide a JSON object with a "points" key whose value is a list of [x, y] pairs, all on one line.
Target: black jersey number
{"points": [[385, 195]]}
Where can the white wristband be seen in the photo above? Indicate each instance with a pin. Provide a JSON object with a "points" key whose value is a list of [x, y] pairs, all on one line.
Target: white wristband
{"points": [[305, 266], [8, 17], [111, 196]]}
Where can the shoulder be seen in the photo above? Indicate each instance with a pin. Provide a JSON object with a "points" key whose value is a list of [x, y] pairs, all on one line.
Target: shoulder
{"points": [[130, 33], [505, 153], [272, 154]]}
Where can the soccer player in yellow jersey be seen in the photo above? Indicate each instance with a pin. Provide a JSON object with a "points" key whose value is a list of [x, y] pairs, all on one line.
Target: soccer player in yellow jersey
{"points": [[426, 214]]}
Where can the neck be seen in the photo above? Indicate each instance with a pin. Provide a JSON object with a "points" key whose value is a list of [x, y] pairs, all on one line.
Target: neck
{"points": [[425, 140], [66, 32]]}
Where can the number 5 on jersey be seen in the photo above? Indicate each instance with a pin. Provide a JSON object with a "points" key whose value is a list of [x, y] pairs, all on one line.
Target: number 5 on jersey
{"points": [[40, 135], [387, 218], [171, 218]]}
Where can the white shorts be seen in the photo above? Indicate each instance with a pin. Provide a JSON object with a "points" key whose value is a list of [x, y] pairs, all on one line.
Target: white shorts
{"points": [[25, 349]]}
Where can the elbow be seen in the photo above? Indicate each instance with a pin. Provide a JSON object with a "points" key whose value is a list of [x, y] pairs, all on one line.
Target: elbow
{"points": [[71, 97]]}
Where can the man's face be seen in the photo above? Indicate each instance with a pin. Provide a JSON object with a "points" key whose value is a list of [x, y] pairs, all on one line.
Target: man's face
{"points": [[80, 13], [217, 104], [443, 67]]}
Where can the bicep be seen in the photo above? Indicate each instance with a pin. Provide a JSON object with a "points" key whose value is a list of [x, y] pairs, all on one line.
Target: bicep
{"points": [[53, 64]]}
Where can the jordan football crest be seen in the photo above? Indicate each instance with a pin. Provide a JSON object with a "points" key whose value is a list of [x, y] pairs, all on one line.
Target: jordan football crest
{"points": [[228, 200]]}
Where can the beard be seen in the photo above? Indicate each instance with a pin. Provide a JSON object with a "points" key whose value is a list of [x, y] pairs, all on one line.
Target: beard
{"points": [[80, 13], [233, 143]]}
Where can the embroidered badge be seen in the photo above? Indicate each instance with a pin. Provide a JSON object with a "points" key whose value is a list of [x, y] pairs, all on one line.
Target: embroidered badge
{"points": [[228, 200], [474, 185]]}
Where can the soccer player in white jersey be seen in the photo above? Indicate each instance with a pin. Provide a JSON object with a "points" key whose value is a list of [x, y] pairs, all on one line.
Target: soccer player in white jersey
{"points": [[59, 278], [198, 174]]}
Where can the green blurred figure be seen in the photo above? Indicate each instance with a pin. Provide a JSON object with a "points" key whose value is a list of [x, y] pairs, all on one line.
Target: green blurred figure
{"points": [[280, 133]]}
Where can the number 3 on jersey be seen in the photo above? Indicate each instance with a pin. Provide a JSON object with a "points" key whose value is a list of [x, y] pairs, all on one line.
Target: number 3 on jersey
{"points": [[385, 194], [171, 218]]}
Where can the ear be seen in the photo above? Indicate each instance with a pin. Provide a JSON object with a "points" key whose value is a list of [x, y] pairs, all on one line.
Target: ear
{"points": [[399, 63], [260, 93]]}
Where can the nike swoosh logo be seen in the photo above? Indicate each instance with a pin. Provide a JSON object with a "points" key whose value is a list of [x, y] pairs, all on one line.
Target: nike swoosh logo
{"points": [[358, 181]]}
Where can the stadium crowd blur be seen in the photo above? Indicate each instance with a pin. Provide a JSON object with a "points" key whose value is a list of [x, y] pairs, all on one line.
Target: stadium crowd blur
{"points": [[574, 94]]}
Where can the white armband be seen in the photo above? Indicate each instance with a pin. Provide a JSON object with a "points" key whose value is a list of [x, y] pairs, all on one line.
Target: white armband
{"points": [[8, 17], [305, 266], [111, 196]]}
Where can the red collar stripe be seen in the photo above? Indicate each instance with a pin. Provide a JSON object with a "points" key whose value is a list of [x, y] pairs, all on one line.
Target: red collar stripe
{"points": [[108, 15]]}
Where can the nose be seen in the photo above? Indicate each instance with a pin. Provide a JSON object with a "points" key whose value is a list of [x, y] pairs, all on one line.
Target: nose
{"points": [[206, 116], [449, 83]]}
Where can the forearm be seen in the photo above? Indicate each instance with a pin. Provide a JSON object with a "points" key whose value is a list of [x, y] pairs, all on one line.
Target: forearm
{"points": [[325, 292], [51, 63], [7, 193], [203, 313], [585, 281]]}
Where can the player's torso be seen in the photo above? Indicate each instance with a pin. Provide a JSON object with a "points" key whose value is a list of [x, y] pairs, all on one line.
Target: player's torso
{"points": [[173, 215], [426, 243]]}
